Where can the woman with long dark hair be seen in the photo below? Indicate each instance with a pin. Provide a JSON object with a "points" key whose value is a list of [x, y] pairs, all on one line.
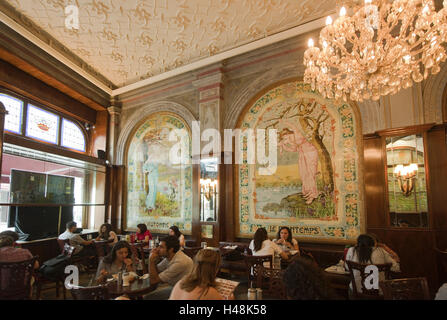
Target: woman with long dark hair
{"points": [[262, 246], [366, 252], [175, 231], [106, 233], [285, 240], [119, 259]]}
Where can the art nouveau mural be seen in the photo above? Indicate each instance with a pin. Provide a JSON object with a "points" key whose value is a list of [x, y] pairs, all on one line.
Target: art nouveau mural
{"points": [[317, 188], [159, 192]]}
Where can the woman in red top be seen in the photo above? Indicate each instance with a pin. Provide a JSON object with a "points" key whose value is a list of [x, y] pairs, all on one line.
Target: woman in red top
{"points": [[143, 234]]}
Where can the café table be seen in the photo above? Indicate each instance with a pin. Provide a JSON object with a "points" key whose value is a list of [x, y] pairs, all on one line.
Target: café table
{"points": [[339, 280], [135, 290]]}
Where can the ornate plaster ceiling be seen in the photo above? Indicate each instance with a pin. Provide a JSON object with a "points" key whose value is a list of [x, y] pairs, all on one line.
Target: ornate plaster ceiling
{"points": [[127, 41]]}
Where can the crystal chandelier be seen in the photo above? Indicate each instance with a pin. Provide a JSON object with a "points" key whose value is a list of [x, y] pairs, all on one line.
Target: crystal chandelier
{"points": [[381, 48]]}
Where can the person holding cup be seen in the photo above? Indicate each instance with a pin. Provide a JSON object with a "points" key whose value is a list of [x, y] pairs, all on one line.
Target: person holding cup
{"points": [[118, 260]]}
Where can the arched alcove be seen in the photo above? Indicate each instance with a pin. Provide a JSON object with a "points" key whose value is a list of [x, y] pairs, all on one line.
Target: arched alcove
{"points": [[158, 190], [317, 188]]}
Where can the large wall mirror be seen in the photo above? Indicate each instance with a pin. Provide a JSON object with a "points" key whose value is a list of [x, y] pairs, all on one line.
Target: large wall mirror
{"points": [[209, 192], [406, 176]]}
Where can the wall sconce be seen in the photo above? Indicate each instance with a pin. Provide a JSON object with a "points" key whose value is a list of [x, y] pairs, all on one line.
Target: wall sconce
{"points": [[208, 191], [405, 175]]}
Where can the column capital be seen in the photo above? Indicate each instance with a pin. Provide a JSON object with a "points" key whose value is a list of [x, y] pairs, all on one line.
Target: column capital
{"points": [[215, 78], [114, 111]]}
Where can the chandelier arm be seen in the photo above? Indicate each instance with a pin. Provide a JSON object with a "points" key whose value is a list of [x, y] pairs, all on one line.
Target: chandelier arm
{"points": [[421, 40]]}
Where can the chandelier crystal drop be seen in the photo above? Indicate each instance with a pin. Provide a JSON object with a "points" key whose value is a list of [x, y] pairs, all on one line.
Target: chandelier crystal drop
{"points": [[381, 48]]}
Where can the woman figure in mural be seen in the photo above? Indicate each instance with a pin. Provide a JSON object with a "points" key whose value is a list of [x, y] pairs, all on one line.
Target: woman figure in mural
{"points": [[150, 167], [294, 141]]}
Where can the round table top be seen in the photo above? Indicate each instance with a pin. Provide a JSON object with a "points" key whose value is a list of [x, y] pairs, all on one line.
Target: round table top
{"points": [[136, 288]]}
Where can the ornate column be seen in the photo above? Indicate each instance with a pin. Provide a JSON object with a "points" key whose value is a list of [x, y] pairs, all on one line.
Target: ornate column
{"points": [[114, 120], [210, 86]]}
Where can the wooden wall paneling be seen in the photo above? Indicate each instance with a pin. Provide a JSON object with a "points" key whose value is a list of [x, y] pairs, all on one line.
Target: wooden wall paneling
{"points": [[415, 249], [374, 181], [228, 215], [22, 83], [98, 135], [30, 58], [117, 216], [50, 148], [196, 232], [437, 157]]}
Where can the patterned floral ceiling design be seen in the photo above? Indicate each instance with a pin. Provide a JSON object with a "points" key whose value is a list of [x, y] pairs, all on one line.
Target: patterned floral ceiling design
{"points": [[127, 41]]}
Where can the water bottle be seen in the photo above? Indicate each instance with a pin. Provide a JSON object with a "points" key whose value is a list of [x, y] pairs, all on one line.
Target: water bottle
{"points": [[157, 242], [120, 279]]}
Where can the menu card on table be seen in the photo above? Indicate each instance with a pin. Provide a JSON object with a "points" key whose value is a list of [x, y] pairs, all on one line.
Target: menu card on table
{"points": [[226, 287]]}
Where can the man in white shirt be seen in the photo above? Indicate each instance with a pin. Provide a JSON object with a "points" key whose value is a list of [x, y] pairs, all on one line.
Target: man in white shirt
{"points": [[82, 247]]}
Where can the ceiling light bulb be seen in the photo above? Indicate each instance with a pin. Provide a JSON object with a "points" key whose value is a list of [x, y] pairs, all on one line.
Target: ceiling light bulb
{"points": [[342, 12], [329, 20], [310, 43]]}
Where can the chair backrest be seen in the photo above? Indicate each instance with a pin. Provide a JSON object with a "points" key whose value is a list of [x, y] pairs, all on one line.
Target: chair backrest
{"points": [[405, 289], [15, 279], [90, 293], [61, 244], [191, 251], [101, 248], [68, 250], [271, 282], [251, 263], [363, 292], [441, 256]]}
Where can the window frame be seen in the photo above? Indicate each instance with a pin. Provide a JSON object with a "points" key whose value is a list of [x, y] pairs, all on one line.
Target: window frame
{"points": [[60, 118]]}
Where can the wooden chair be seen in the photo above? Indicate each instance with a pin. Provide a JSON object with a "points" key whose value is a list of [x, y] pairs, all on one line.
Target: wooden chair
{"points": [[41, 280], [90, 293], [271, 282], [405, 289], [251, 263], [363, 292], [15, 279], [191, 251], [441, 256], [75, 259], [138, 252]]}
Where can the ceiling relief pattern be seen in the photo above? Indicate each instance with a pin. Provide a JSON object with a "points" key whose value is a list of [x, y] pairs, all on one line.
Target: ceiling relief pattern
{"points": [[128, 41]]}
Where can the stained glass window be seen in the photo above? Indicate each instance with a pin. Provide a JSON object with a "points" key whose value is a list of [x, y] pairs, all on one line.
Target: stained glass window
{"points": [[42, 124], [72, 136], [13, 120]]}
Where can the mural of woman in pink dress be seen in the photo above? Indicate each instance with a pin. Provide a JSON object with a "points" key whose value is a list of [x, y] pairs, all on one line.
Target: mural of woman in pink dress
{"points": [[292, 140]]}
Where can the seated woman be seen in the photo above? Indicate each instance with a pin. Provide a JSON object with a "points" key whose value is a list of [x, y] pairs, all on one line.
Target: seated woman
{"points": [[261, 245], [143, 235], [174, 231], [200, 283], [120, 259], [305, 281], [285, 241], [366, 252], [106, 233], [380, 244]]}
